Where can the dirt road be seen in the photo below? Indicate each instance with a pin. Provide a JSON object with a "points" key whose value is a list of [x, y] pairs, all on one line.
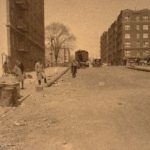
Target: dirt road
{"points": [[102, 109]]}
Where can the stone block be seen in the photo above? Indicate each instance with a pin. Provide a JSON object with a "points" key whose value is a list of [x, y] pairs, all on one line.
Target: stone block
{"points": [[39, 88]]}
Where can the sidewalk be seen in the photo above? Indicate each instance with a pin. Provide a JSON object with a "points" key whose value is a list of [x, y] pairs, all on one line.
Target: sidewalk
{"points": [[140, 68], [52, 74]]}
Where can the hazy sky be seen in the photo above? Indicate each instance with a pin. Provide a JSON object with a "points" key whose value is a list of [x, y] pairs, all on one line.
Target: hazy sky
{"points": [[87, 19]]}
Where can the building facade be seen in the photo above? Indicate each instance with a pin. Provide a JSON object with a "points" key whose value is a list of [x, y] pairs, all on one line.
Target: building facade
{"points": [[129, 36], [24, 31], [112, 37], [104, 47]]}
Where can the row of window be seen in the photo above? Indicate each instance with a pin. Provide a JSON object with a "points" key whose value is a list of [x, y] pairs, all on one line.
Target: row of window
{"points": [[138, 27], [138, 35], [138, 54], [145, 44], [137, 18]]}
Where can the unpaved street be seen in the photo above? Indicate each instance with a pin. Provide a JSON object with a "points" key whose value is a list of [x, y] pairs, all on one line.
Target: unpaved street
{"points": [[102, 109]]}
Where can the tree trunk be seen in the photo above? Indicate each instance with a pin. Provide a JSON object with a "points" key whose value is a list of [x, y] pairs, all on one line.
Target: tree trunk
{"points": [[56, 56]]}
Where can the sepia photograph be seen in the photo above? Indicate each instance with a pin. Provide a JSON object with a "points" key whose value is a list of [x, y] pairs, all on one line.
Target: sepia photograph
{"points": [[74, 74]]}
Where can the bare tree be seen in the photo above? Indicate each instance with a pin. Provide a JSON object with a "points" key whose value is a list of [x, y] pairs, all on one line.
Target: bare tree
{"points": [[59, 36]]}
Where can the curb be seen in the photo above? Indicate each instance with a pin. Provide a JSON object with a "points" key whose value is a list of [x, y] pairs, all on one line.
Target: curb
{"points": [[58, 77], [139, 69]]}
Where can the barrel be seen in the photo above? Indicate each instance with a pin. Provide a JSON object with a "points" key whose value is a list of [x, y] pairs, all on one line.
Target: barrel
{"points": [[2, 85], [17, 86], [8, 96]]}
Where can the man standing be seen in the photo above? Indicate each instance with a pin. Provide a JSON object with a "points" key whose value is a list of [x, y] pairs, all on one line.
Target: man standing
{"points": [[21, 66], [39, 69], [6, 69], [74, 68], [19, 73]]}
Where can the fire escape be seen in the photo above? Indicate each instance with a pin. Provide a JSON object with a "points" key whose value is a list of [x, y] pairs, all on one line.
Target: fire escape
{"points": [[21, 26], [22, 4]]}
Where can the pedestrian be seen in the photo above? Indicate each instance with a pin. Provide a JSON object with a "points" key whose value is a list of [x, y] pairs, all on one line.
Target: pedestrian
{"points": [[39, 69], [19, 73], [6, 68], [138, 61], [21, 66], [74, 68]]}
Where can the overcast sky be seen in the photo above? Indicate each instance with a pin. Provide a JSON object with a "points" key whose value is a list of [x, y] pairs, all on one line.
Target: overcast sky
{"points": [[87, 19]]}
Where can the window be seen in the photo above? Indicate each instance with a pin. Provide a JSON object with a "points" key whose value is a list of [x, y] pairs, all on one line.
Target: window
{"points": [[138, 35], [138, 44], [146, 44], [127, 27], [137, 18], [138, 54], [146, 53], [127, 18], [127, 36], [21, 44], [145, 35], [127, 53], [145, 27], [127, 45], [137, 27], [145, 18]]}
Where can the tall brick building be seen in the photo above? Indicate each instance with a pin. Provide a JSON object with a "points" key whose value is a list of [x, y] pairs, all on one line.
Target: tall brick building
{"points": [[104, 47], [23, 30], [129, 36]]}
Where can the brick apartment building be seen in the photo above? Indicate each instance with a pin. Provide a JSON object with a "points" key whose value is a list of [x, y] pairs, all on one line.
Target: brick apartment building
{"points": [[112, 37], [22, 25], [129, 37], [104, 47]]}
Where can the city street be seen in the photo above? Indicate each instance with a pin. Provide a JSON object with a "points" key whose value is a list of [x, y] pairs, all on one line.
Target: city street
{"points": [[106, 108]]}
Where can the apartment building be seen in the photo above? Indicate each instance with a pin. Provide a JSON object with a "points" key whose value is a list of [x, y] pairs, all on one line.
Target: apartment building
{"points": [[104, 47], [23, 31], [131, 39], [112, 37]]}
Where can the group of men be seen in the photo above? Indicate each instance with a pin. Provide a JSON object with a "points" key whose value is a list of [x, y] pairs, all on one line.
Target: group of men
{"points": [[19, 71]]}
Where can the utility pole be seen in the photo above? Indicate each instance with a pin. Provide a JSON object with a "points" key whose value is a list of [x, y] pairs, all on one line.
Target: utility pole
{"points": [[51, 51]]}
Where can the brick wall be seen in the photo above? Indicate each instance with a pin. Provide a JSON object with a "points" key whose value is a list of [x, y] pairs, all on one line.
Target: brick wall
{"points": [[26, 31], [129, 36]]}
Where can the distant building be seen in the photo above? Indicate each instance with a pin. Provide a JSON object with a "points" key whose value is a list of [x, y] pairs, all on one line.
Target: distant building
{"points": [[104, 47], [112, 37], [129, 36], [22, 27]]}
